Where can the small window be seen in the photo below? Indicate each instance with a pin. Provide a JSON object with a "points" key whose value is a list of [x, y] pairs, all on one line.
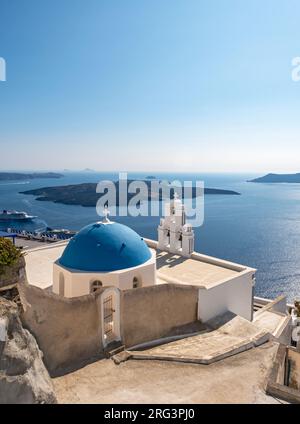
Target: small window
{"points": [[96, 285], [136, 283]]}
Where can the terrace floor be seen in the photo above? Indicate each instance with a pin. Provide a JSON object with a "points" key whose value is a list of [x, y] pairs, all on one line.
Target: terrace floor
{"points": [[237, 379], [227, 335], [191, 271], [39, 263]]}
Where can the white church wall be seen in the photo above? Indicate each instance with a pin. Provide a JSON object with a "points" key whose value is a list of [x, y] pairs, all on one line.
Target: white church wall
{"points": [[55, 287], [77, 283], [68, 291], [235, 295], [145, 275]]}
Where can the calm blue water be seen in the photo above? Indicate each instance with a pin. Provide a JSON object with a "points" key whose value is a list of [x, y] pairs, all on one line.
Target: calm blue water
{"points": [[261, 228]]}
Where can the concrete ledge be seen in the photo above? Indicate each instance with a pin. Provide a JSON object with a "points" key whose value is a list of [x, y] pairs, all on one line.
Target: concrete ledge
{"points": [[48, 246], [205, 360], [208, 259], [275, 385], [283, 392], [282, 327], [215, 356], [278, 305]]}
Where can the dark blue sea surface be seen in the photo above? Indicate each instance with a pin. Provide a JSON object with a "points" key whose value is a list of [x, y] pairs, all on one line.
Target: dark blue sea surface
{"points": [[260, 228]]}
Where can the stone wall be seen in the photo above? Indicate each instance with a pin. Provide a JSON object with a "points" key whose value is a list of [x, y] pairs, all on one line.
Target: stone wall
{"points": [[68, 331], [13, 274], [151, 313], [278, 377]]}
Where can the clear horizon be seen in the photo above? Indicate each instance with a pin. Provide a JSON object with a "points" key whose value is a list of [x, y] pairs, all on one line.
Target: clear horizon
{"points": [[134, 171], [174, 86]]}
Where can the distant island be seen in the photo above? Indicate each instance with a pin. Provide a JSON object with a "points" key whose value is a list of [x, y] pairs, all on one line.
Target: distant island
{"points": [[85, 194], [277, 178], [10, 176], [150, 177]]}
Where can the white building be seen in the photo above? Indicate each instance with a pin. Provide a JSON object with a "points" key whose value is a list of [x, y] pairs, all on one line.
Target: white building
{"points": [[112, 256], [174, 234]]}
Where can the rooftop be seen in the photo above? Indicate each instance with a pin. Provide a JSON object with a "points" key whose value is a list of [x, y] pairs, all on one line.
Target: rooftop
{"points": [[190, 271], [39, 263], [200, 270]]}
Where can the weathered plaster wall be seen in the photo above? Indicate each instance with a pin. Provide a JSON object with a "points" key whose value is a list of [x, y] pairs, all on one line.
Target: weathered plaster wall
{"points": [[150, 313], [294, 361], [68, 331]]}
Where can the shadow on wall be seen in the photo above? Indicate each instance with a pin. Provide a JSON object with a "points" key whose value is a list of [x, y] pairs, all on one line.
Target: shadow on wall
{"points": [[69, 331], [151, 313]]}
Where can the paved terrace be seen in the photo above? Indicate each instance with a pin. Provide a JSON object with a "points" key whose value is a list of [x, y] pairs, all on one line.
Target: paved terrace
{"points": [[238, 379], [225, 336], [39, 263], [199, 270], [190, 271], [238, 375]]}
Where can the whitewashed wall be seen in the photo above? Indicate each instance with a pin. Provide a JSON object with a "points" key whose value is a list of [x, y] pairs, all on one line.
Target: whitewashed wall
{"points": [[235, 295], [78, 283]]}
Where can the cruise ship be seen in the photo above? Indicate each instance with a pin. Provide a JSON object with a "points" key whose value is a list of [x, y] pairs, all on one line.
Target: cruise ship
{"points": [[6, 215]]}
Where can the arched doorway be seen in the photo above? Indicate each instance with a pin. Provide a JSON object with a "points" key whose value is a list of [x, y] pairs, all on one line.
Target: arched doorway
{"points": [[96, 285], [110, 312]]}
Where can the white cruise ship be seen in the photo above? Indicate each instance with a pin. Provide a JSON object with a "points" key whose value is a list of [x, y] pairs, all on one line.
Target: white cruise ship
{"points": [[6, 215]]}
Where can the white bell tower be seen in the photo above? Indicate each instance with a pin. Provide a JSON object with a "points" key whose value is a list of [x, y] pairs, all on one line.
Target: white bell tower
{"points": [[174, 235]]}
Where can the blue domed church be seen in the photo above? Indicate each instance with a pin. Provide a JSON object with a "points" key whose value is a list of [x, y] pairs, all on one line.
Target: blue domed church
{"points": [[104, 254], [130, 290]]}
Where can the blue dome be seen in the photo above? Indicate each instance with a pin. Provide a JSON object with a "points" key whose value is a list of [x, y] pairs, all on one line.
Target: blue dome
{"points": [[103, 247]]}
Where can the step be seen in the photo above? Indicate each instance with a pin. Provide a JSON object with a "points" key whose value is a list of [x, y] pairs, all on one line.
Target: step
{"points": [[113, 349]]}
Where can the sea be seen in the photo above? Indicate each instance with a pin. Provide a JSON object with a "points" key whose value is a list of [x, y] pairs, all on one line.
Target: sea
{"points": [[260, 228]]}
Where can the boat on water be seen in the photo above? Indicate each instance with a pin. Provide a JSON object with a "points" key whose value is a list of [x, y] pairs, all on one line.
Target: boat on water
{"points": [[6, 215]]}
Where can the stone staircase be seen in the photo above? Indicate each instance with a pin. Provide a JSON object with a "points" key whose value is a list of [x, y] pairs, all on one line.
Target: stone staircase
{"points": [[228, 335]]}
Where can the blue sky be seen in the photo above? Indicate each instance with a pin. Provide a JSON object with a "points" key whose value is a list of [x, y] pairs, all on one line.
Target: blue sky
{"points": [[185, 85]]}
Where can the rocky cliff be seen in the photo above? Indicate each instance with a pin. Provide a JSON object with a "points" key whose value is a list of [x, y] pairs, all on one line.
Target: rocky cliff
{"points": [[23, 376], [12, 275]]}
